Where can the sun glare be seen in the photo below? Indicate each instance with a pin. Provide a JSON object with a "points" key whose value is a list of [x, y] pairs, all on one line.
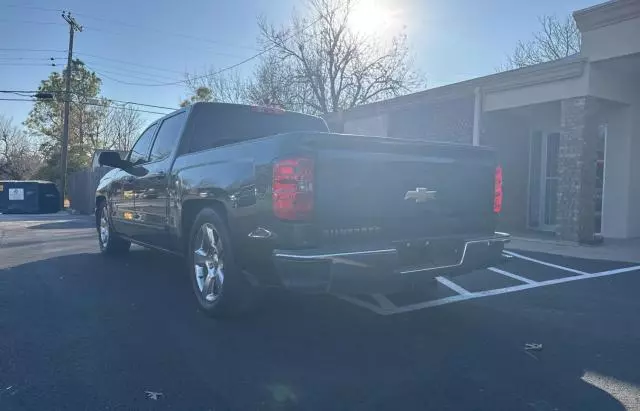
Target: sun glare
{"points": [[374, 17]]}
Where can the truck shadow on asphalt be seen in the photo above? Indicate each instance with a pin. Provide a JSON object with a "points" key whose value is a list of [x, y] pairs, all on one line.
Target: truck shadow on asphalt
{"points": [[54, 221], [105, 330], [62, 225]]}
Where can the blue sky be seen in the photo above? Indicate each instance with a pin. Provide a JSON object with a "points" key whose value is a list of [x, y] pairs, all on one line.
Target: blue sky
{"points": [[450, 40]]}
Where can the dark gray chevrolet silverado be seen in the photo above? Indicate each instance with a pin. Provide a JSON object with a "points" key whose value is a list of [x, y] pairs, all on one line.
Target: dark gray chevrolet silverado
{"points": [[253, 196]]}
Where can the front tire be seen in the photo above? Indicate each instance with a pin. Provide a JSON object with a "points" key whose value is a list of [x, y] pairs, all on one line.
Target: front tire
{"points": [[110, 242], [220, 287]]}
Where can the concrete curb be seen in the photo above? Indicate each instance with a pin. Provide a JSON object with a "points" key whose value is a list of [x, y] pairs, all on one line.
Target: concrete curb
{"points": [[627, 252]]}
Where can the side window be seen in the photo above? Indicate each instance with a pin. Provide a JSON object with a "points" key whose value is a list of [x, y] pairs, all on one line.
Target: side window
{"points": [[167, 137], [140, 150]]}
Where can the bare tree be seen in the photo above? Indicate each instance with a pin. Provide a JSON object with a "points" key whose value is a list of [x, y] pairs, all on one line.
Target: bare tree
{"points": [[115, 127], [19, 158], [556, 39], [122, 126], [226, 88], [273, 85], [97, 134], [316, 64], [330, 66]]}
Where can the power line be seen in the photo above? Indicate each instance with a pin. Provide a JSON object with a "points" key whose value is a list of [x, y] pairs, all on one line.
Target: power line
{"points": [[130, 63], [22, 91], [172, 34], [165, 32], [127, 72], [28, 64], [81, 95], [16, 99], [40, 61], [174, 83], [133, 109], [129, 83], [142, 104], [2, 58], [231, 67], [86, 103], [33, 50], [46, 23], [18, 93], [39, 54], [162, 44], [25, 6]]}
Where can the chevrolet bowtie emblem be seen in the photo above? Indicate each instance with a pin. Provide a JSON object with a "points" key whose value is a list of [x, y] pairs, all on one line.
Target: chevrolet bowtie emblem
{"points": [[420, 195]]}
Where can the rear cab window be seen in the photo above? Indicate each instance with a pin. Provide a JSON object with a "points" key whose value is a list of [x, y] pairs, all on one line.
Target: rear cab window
{"points": [[212, 125]]}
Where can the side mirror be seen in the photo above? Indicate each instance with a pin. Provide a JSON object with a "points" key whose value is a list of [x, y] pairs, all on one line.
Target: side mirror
{"points": [[111, 159]]}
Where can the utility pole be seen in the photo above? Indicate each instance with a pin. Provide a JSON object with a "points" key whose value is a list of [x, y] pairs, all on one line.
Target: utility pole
{"points": [[73, 27]]}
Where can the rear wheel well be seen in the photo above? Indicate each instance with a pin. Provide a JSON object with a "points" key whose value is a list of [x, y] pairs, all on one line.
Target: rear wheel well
{"points": [[190, 210]]}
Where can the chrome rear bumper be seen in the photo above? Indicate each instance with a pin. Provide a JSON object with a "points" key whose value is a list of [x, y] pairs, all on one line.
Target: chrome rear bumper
{"points": [[376, 269]]}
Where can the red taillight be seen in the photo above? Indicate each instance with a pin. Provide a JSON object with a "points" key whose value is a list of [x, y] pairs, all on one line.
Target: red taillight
{"points": [[293, 188], [497, 193]]}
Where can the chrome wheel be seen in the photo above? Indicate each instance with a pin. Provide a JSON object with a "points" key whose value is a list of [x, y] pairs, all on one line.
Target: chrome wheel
{"points": [[208, 263], [104, 228]]}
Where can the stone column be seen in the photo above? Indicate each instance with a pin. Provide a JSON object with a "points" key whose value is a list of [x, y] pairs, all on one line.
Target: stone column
{"points": [[579, 118]]}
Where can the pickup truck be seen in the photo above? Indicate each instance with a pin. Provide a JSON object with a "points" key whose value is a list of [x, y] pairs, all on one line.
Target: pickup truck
{"points": [[252, 196]]}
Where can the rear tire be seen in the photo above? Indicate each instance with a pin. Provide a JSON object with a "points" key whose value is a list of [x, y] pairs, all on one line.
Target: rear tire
{"points": [[110, 242], [219, 285]]}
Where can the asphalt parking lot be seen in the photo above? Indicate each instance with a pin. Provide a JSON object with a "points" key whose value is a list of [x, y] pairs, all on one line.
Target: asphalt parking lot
{"points": [[79, 331]]}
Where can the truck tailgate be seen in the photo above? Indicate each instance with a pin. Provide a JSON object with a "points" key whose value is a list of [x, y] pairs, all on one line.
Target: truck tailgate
{"points": [[379, 188]]}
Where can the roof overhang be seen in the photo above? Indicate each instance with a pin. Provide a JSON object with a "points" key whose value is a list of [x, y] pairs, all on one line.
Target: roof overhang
{"points": [[553, 71], [537, 84], [520, 81], [606, 14]]}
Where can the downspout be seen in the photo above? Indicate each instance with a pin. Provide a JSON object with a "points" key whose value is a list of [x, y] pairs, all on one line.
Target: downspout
{"points": [[477, 116]]}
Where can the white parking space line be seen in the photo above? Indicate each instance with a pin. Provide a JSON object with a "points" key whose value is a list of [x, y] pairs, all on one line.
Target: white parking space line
{"points": [[511, 275], [455, 287], [533, 260], [383, 301], [480, 294], [507, 290], [615, 271]]}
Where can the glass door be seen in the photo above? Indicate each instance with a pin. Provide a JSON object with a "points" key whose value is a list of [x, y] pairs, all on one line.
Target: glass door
{"points": [[535, 162], [551, 149], [543, 180]]}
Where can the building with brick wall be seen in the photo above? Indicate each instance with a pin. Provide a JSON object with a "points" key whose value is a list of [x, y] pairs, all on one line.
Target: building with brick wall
{"points": [[567, 132]]}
